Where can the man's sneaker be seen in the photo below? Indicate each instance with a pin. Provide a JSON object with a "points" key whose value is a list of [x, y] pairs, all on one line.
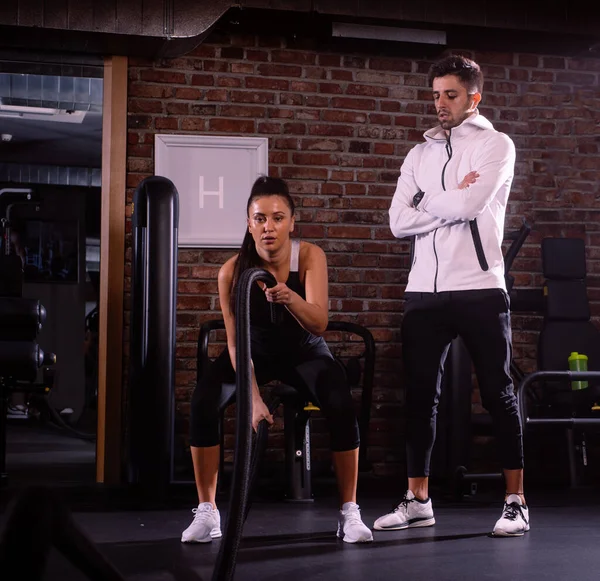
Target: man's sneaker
{"points": [[514, 521], [205, 527], [410, 513], [351, 528]]}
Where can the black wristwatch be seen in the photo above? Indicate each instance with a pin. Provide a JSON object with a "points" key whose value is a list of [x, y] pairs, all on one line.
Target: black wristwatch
{"points": [[417, 198]]}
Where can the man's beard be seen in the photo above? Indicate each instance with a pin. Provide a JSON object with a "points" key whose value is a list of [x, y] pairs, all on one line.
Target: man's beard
{"points": [[452, 123]]}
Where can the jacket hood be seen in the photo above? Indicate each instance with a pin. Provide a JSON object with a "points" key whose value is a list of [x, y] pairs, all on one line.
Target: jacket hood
{"points": [[472, 123]]}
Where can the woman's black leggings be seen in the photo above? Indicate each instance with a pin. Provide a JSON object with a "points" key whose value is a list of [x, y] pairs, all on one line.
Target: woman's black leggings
{"points": [[314, 373]]}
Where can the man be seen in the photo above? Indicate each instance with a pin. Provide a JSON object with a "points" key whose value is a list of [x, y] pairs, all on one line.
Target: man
{"points": [[451, 196]]}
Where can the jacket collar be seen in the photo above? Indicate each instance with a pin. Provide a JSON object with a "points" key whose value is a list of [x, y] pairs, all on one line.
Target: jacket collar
{"points": [[469, 126]]}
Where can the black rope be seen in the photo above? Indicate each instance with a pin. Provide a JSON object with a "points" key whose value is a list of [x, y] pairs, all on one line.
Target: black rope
{"points": [[226, 559]]}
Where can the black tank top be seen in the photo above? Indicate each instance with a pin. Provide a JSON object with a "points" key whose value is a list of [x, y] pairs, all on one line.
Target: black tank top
{"points": [[280, 333]]}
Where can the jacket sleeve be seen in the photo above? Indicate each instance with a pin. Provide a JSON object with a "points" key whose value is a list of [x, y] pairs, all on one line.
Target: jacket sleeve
{"points": [[495, 165], [405, 219]]}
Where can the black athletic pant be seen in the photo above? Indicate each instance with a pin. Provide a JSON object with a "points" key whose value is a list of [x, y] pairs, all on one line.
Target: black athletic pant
{"points": [[431, 321], [314, 373]]}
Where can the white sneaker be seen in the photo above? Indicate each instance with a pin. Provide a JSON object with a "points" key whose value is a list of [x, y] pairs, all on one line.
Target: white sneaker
{"points": [[514, 521], [410, 513], [351, 528], [206, 525]]}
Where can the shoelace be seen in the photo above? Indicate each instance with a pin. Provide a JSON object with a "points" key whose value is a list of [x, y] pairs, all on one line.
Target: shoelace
{"points": [[403, 504], [200, 515], [512, 511], [353, 517]]}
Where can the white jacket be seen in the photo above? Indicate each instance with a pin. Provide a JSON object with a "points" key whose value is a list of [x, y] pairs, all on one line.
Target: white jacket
{"points": [[448, 223]]}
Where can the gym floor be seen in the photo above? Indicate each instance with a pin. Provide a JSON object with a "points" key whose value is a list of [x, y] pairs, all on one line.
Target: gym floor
{"points": [[297, 541], [294, 542]]}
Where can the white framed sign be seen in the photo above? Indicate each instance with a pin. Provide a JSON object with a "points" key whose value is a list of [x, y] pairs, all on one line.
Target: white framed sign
{"points": [[213, 175]]}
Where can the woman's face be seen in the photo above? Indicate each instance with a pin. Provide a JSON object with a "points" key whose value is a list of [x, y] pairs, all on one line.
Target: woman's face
{"points": [[270, 222]]}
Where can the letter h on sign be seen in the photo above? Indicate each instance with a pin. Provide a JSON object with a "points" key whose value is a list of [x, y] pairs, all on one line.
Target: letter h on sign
{"points": [[203, 192]]}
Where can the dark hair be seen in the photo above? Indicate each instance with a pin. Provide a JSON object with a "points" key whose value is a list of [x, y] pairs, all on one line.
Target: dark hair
{"points": [[465, 69], [248, 257]]}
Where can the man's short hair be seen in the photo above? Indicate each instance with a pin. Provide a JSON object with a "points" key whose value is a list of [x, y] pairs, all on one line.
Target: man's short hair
{"points": [[465, 69]]}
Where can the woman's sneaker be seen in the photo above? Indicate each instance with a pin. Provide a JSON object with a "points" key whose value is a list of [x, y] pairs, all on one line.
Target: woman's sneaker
{"points": [[411, 512], [351, 528], [514, 521], [206, 525]]}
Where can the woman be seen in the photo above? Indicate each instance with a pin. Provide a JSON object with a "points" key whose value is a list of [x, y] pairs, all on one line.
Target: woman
{"points": [[291, 350]]}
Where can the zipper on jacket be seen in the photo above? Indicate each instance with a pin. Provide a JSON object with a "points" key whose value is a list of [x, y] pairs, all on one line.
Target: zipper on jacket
{"points": [[478, 245], [449, 152], [437, 264]]}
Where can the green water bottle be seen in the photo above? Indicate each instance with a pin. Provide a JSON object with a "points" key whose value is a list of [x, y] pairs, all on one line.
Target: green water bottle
{"points": [[578, 362]]}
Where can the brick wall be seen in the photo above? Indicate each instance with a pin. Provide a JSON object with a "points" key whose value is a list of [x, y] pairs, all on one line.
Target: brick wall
{"points": [[339, 126]]}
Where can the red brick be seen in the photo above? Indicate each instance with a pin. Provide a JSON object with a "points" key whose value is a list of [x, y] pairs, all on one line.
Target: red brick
{"points": [[384, 149], [229, 82], [306, 173], [267, 84], [341, 75], [315, 73], [333, 88], [145, 106], [342, 175], [187, 93], [150, 91], [279, 157], [344, 117], [280, 113], [350, 103], [388, 64], [378, 119], [333, 130], [315, 159], [204, 50], [203, 80], [271, 128], [231, 125], [303, 87], [251, 97], [317, 101], [322, 144], [154, 76], [257, 55], [294, 128], [554, 63], [168, 123], [242, 68], [273, 70], [242, 111], [139, 150], [390, 106], [216, 66], [178, 108], [289, 56], [367, 90], [576, 78]]}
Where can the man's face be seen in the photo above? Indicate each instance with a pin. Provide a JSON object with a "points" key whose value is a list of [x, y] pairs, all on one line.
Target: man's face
{"points": [[453, 104]]}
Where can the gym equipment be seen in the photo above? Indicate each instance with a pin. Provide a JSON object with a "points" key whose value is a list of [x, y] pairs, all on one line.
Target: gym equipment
{"points": [[20, 356], [563, 392], [155, 223], [297, 410], [226, 559]]}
